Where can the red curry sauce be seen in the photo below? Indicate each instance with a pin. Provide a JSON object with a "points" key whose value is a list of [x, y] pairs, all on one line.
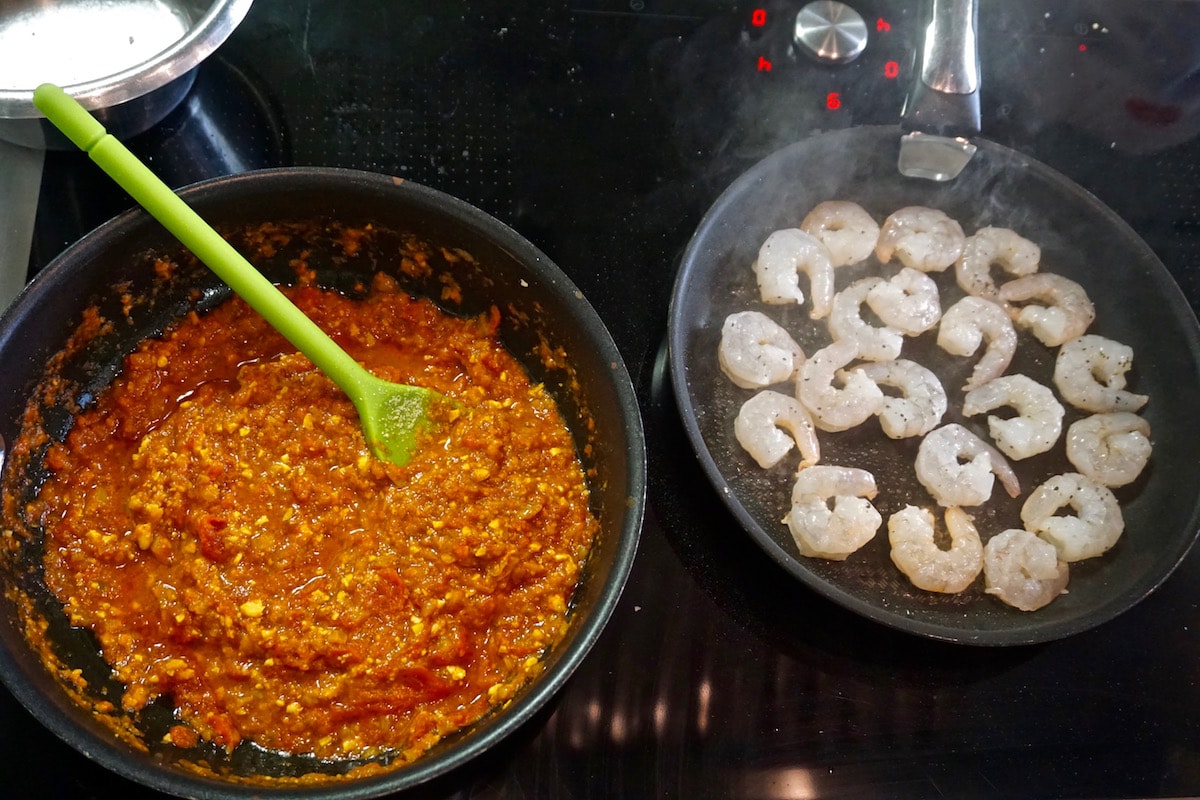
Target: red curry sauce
{"points": [[218, 521]]}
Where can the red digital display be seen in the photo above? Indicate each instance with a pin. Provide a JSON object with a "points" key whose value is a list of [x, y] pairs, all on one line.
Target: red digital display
{"points": [[833, 101], [758, 17], [891, 69], [763, 65], [882, 24]]}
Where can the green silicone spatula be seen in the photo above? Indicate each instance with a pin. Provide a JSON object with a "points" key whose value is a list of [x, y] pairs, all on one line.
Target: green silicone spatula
{"points": [[392, 414]]}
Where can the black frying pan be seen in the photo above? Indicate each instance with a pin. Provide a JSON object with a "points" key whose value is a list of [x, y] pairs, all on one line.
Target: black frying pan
{"points": [[540, 309], [1137, 302]]}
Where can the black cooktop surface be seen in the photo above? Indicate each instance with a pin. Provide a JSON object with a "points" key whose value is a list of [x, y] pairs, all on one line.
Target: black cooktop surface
{"points": [[601, 130]]}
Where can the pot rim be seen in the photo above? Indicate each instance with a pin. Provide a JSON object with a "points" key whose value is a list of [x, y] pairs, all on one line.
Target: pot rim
{"points": [[204, 37]]}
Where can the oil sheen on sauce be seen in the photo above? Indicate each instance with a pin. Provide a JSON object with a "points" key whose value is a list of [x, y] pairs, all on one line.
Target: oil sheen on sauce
{"points": [[218, 522]]}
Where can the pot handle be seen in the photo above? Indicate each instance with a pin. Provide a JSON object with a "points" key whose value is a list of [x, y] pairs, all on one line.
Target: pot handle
{"points": [[941, 111], [20, 185]]}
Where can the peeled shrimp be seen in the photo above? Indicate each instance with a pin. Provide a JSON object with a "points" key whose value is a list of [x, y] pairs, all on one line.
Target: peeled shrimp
{"points": [[1065, 311], [908, 301], [822, 530], [761, 424], [846, 323], [1038, 423], [781, 259], [846, 230], [963, 328], [929, 567], [959, 469], [1090, 374], [922, 405], [1112, 449], [755, 351], [1023, 570], [1092, 531], [994, 247], [837, 408], [922, 238]]}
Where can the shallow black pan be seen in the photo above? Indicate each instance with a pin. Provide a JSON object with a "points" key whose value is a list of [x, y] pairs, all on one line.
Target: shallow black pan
{"points": [[540, 309], [1137, 303]]}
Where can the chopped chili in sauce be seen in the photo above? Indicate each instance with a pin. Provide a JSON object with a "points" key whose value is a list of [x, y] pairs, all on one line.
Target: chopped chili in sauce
{"points": [[220, 525]]}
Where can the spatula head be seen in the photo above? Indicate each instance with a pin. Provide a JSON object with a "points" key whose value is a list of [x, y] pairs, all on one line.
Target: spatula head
{"points": [[393, 417]]}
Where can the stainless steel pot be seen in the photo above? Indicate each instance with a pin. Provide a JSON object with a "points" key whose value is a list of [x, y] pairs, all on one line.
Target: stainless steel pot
{"points": [[129, 62]]}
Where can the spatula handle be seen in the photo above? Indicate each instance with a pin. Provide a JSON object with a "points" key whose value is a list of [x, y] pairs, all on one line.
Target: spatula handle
{"points": [[197, 235]]}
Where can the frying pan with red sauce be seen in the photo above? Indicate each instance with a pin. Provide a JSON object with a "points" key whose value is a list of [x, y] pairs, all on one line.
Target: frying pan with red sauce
{"points": [[297, 215]]}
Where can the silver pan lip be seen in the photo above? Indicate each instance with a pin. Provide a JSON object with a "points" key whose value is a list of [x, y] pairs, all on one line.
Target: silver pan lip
{"points": [[213, 24]]}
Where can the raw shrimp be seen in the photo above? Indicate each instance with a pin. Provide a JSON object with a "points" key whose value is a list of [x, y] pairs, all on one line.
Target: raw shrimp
{"points": [[1090, 374], [760, 425], [1039, 422], [846, 230], [1067, 311], [833, 532], [929, 567], [963, 328], [1092, 531], [846, 323], [957, 467], [922, 405], [994, 247], [836, 408], [1112, 449], [908, 301], [1023, 570], [781, 259], [755, 351], [922, 238]]}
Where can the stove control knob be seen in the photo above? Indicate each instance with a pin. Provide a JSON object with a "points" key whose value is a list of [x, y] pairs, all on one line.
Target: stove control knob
{"points": [[830, 31]]}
